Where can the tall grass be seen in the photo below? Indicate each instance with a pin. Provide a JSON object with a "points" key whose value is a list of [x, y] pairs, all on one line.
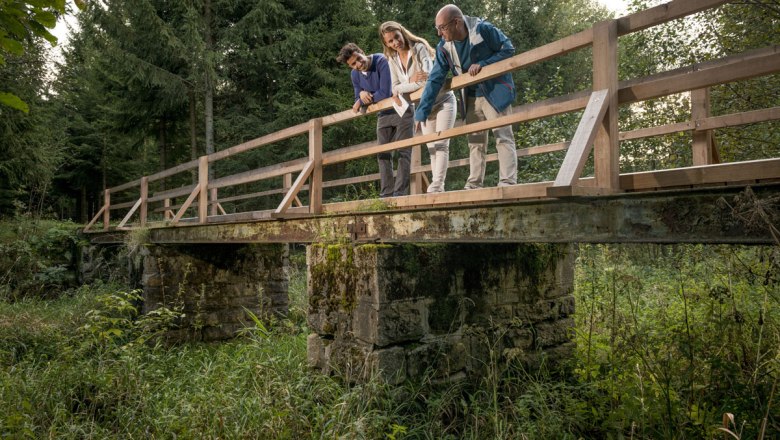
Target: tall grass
{"points": [[669, 338]]}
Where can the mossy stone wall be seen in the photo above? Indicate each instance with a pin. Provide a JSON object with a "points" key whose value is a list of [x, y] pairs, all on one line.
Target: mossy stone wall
{"points": [[216, 285], [449, 310]]}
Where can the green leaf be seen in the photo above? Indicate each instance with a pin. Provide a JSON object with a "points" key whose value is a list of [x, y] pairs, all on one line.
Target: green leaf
{"points": [[13, 101], [11, 46], [45, 18], [41, 31], [13, 25]]}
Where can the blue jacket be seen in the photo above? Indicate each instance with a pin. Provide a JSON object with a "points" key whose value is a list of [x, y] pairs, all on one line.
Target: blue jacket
{"points": [[487, 45], [376, 80]]}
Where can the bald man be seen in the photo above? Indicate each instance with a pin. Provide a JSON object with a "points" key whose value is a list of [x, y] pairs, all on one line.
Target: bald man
{"points": [[467, 45]]}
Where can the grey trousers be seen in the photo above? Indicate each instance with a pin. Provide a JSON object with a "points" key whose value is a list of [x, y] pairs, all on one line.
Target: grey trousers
{"points": [[479, 109], [391, 128]]}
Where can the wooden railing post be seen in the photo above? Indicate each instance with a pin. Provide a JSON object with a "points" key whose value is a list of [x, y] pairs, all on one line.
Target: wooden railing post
{"points": [[213, 198], [203, 181], [606, 152], [107, 205], [144, 196], [416, 178], [315, 156], [167, 205], [703, 147]]}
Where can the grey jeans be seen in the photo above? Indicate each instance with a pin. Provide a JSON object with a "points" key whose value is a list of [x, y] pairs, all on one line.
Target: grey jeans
{"points": [[391, 128]]}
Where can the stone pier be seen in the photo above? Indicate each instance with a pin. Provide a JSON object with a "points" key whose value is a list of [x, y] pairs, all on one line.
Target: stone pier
{"points": [[215, 285], [449, 311]]}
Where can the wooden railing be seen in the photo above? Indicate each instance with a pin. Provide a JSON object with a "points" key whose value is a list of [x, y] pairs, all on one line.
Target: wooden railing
{"points": [[597, 131]]}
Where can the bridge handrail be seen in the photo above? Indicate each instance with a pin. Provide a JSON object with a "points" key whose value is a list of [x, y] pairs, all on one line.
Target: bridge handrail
{"points": [[602, 36]]}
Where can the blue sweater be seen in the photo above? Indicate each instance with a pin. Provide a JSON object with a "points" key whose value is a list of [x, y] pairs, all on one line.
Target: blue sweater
{"points": [[376, 80], [485, 45]]}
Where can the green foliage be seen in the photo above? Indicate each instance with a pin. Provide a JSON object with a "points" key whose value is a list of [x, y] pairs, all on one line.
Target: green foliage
{"points": [[19, 22], [36, 257]]}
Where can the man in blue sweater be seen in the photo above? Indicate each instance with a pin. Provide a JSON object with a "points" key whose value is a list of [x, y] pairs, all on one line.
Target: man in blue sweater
{"points": [[467, 45], [372, 83]]}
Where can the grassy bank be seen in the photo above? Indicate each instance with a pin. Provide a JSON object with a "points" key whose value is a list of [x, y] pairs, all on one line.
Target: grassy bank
{"points": [[669, 339]]}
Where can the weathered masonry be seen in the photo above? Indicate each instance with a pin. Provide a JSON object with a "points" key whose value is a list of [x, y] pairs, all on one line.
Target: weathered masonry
{"points": [[444, 310]]}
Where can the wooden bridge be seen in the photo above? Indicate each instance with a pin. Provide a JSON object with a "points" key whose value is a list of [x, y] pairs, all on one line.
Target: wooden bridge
{"points": [[673, 205]]}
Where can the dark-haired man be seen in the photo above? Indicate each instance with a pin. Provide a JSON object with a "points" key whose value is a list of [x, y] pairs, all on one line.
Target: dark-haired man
{"points": [[372, 83]]}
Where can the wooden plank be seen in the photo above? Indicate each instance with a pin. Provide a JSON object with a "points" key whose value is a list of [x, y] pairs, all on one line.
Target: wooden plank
{"points": [[528, 112], [268, 172], [171, 193], [107, 211], [287, 200], [286, 185], [125, 186], [416, 178], [606, 153], [129, 214], [699, 79], [656, 131], [579, 191], [186, 166], [203, 183], [186, 204], [743, 118], [663, 13], [705, 174], [280, 135], [95, 218], [144, 201], [213, 195], [702, 140], [315, 158], [167, 209], [705, 65], [117, 206], [582, 141]]}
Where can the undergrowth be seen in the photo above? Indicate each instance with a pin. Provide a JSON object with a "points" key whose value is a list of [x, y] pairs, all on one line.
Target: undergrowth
{"points": [[669, 339]]}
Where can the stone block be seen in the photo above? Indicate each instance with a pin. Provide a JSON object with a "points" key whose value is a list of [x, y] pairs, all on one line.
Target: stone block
{"points": [[552, 333], [389, 323], [315, 351], [388, 364], [440, 357]]}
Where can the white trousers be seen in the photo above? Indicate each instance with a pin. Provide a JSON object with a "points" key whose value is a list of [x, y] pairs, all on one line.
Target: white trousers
{"points": [[479, 109], [441, 118]]}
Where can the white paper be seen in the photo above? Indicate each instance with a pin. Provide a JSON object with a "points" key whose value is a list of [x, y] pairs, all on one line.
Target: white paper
{"points": [[401, 109]]}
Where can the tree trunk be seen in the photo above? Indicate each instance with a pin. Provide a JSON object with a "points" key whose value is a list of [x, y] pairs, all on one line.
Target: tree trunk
{"points": [[209, 82], [163, 148], [193, 134]]}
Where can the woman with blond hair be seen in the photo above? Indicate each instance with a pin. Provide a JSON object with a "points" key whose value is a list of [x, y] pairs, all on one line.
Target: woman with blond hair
{"points": [[411, 59]]}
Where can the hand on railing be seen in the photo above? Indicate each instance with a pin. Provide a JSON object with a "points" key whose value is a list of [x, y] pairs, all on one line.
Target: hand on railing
{"points": [[418, 76]]}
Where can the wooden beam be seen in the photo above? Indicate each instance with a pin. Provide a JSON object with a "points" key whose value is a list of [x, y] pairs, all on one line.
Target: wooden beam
{"points": [[706, 174], [107, 211], [171, 193], [315, 157], [606, 145], [663, 13], [203, 183], [129, 214], [286, 185], [582, 141], [95, 218], [699, 79], [287, 201], [168, 214], [271, 171], [125, 186], [751, 117], [144, 201], [186, 166], [186, 204], [656, 131], [271, 138], [213, 195], [416, 178], [702, 140]]}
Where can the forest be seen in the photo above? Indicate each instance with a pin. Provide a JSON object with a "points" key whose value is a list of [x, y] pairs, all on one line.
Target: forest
{"points": [[673, 341]]}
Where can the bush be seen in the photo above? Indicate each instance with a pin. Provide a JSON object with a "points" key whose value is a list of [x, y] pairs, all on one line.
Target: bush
{"points": [[36, 257]]}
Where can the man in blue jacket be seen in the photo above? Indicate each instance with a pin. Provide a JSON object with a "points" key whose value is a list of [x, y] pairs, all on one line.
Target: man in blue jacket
{"points": [[467, 45], [372, 83]]}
